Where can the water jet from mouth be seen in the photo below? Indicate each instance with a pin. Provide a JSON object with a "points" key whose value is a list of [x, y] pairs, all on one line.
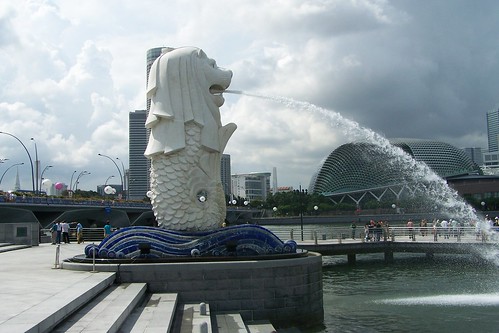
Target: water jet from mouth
{"points": [[446, 200]]}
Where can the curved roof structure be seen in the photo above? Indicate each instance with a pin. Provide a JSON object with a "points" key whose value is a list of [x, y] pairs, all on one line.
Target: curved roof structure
{"points": [[355, 167]]}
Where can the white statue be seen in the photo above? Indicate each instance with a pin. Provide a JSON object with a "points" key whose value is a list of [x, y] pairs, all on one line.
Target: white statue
{"points": [[187, 139]]}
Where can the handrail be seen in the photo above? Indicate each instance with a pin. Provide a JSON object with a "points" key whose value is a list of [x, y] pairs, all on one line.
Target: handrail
{"points": [[328, 233], [344, 234]]}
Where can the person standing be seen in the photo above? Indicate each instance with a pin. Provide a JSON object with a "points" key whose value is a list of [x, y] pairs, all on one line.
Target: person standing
{"points": [[410, 228], [353, 226], [107, 229], [79, 233], [53, 231], [65, 232], [445, 227], [59, 233]]}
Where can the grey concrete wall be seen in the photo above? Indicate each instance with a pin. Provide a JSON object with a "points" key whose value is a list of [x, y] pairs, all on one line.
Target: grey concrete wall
{"points": [[285, 291], [20, 233]]}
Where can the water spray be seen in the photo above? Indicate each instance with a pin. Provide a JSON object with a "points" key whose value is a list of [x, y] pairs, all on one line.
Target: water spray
{"points": [[446, 198]]}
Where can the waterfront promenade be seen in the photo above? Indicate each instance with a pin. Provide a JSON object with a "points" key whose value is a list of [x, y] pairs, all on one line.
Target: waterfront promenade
{"points": [[34, 290]]}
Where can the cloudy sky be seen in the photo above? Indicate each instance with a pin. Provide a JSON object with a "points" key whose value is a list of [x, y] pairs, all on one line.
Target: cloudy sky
{"points": [[72, 71]]}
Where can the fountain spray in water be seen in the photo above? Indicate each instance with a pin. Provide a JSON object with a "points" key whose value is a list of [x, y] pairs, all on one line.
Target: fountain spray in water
{"points": [[444, 198]]}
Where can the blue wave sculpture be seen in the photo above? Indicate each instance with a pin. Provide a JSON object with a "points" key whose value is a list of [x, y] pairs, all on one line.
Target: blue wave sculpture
{"points": [[149, 242]]}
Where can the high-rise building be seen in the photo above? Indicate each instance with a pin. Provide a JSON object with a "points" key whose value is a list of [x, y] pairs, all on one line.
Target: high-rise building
{"points": [[138, 181], [493, 130], [152, 54], [476, 155], [251, 186], [225, 174]]}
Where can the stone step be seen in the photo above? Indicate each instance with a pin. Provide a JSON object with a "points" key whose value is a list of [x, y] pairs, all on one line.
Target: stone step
{"points": [[4, 247], [106, 312], [230, 323], [260, 327], [155, 315], [44, 316], [195, 318]]}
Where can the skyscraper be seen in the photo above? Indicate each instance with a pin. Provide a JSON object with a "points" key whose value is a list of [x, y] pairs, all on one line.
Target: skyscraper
{"points": [[225, 174], [138, 182], [493, 130], [475, 154]]}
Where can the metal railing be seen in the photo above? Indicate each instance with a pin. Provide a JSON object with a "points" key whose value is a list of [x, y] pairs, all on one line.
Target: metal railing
{"points": [[347, 234], [428, 234], [89, 235]]}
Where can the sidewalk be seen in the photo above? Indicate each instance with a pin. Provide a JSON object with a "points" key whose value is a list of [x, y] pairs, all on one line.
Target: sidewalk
{"points": [[32, 289]]}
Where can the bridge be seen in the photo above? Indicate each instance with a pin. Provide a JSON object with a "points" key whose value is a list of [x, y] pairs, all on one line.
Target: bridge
{"points": [[465, 240], [90, 213], [45, 210]]}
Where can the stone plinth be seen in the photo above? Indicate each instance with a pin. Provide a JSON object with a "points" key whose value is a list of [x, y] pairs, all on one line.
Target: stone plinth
{"points": [[284, 291]]}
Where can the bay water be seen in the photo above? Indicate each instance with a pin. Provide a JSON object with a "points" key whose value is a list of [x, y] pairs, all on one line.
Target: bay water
{"points": [[449, 293]]}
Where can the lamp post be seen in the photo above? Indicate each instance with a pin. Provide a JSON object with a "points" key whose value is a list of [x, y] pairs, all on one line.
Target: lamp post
{"points": [[117, 167], [37, 168], [108, 180], [301, 193], [125, 184], [3, 174], [41, 176], [70, 191], [83, 173], [29, 156]]}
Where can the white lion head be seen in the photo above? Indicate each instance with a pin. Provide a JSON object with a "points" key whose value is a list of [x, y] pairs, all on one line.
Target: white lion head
{"points": [[185, 85]]}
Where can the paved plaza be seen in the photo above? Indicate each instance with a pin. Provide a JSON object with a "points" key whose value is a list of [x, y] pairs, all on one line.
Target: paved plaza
{"points": [[33, 290]]}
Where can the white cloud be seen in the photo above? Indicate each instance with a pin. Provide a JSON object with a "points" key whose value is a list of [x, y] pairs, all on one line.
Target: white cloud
{"points": [[71, 72]]}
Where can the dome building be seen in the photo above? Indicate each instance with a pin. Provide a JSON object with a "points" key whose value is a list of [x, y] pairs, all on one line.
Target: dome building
{"points": [[354, 170]]}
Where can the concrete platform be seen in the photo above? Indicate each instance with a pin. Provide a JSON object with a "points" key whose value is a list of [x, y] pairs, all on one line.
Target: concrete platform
{"points": [[35, 295], [39, 296]]}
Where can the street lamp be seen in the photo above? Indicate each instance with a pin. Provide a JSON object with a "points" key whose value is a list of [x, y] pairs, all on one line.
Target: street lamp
{"points": [[70, 191], [301, 194], [37, 167], [41, 176], [117, 167], [1, 178], [125, 184], [108, 180], [83, 173], [29, 156]]}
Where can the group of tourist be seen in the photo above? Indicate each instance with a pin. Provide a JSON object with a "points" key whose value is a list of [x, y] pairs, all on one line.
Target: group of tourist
{"points": [[482, 229], [445, 228], [60, 232], [374, 230]]}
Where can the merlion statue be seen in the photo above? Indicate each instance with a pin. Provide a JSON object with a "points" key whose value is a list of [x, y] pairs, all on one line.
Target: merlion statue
{"points": [[187, 139]]}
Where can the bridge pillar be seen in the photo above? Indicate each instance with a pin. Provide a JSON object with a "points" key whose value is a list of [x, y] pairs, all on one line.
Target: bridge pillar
{"points": [[388, 256], [351, 258]]}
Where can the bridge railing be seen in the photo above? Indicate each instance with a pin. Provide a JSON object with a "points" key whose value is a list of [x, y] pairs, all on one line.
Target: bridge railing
{"points": [[89, 235], [318, 234], [345, 234]]}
